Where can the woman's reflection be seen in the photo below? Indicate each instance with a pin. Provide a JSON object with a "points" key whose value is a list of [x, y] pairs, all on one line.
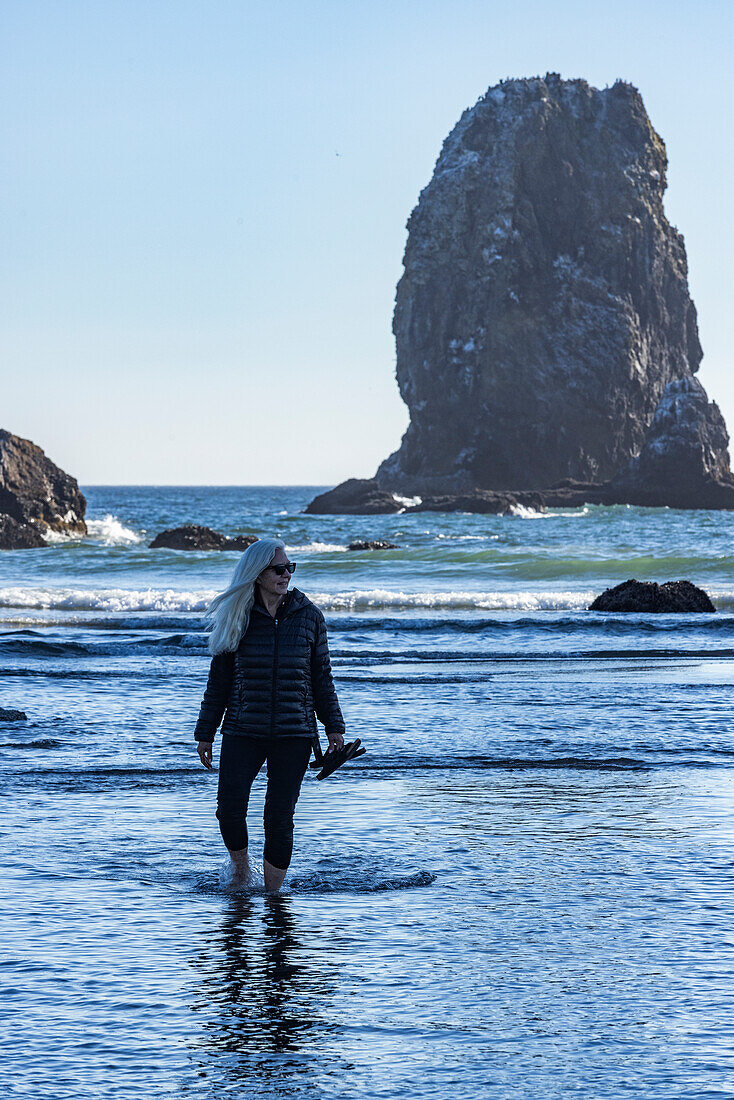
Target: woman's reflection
{"points": [[263, 993]]}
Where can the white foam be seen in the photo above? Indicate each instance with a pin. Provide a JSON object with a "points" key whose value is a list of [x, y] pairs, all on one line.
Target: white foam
{"points": [[526, 513], [375, 599], [111, 532], [317, 548], [255, 883], [118, 600], [465, 538], [408, 502], [105, 599], [568, 515], [63, 536], [55, 537], [522, 512]]}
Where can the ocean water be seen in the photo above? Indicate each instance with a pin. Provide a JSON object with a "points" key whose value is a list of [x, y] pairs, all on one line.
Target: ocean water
{"points": [[524, 889]]}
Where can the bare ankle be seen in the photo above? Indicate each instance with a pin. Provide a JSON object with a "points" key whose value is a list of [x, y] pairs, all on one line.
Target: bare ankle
{"points": [[240, 860], [273, 877]]}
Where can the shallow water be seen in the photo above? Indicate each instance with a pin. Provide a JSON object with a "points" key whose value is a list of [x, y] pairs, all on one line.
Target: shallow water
{"points": [[524, 889]]}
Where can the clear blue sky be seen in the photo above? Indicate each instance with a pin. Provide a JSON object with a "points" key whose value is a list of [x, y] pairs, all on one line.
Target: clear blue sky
{"points": [[204, 208]]}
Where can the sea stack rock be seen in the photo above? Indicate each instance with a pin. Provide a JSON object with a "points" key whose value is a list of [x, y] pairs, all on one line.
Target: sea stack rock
{"points": [[544, 305], [36, 494]]}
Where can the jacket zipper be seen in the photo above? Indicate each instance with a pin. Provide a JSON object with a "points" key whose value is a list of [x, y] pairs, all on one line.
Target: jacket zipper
{"points": [[275, 673]]}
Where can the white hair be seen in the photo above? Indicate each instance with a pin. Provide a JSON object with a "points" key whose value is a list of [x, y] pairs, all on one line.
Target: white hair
{"points": [[230, 610]]}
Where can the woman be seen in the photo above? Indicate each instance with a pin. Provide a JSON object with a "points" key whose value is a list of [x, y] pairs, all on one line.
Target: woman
{"points": [[270, 671]]}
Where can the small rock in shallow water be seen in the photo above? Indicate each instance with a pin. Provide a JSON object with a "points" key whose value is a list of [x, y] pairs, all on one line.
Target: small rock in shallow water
{"points": [[673, 596], [374, 544], [12, 715]]}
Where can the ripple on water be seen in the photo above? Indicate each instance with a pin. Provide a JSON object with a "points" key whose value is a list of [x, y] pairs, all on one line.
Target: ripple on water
{"points": [[331, 875]]}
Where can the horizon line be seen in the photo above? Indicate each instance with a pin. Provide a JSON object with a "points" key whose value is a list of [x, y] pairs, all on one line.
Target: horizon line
{"points": [[196, 485]]}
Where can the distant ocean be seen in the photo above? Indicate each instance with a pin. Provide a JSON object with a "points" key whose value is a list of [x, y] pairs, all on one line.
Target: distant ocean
{"points": [[524, 889]]}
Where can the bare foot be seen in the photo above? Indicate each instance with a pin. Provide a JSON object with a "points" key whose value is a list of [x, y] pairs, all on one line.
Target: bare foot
{"points": [[241, 874]]}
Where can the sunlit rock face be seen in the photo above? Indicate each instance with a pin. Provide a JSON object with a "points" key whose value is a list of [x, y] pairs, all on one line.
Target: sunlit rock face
{"points": [[544, 305], [35, 492]]}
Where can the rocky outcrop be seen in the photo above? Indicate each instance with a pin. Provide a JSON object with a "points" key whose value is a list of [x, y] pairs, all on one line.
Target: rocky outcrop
{"points": [[684, 461], [544, 305], [35, 492], [19, 536], [673, 596], [192, 536], [567, 494], [356, 496], [481, 501]]}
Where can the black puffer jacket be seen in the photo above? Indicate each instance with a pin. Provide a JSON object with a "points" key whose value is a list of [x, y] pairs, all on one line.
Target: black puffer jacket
{"points": [[277, 677]]}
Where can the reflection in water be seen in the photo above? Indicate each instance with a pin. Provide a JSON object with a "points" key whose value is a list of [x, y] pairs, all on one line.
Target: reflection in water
{"points": [[263, 1003]]}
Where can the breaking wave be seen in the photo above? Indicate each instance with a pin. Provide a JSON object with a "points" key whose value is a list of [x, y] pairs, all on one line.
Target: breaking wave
{"points": [[176, 602], [380, 598], [108, 531], [105, 599], [111, 532]]}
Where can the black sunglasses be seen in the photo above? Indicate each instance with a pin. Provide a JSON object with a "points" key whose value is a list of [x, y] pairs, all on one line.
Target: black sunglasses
{"points": [[281, 569]]}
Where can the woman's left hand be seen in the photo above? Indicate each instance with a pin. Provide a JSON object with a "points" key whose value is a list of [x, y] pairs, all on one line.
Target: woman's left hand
{"points": [[336, 741]]}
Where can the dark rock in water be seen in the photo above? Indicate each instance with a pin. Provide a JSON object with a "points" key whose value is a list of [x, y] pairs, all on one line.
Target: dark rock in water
{"points": [[685, 492], [33, 490], [194, 537], [189, 537], [373, 544], [356, 496], [544, 305], [12, 715], [482, 501], [239, 542], [359, 497], [670, 597], [19, 536], [684, 461]]}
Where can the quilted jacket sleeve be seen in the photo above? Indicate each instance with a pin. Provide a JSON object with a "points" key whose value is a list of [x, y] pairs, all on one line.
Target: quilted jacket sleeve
{"points": [[325, 701], [216, 696]]}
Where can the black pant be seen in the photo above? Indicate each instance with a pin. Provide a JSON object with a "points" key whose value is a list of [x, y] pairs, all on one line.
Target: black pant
{"points": [[240, 759]]}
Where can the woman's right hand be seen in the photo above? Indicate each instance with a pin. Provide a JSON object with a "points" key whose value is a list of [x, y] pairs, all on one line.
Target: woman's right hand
{"points": [[204, 749]]}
